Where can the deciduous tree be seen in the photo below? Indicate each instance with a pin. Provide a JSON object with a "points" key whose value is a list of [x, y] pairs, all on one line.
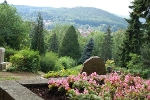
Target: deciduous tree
{"points": [[12, 28]]}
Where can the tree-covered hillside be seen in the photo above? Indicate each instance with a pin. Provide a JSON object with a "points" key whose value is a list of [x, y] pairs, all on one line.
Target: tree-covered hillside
{"points": [[81, 17]]}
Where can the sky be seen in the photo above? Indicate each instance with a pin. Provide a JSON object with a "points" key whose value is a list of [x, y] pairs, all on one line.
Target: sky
{"points": [[118, 7]]}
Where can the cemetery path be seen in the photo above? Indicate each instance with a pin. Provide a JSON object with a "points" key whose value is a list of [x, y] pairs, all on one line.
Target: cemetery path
{"points": [[20, 75]]}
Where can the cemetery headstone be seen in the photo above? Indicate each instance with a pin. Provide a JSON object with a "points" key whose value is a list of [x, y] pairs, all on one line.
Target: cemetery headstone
{"points": [[94, 64], [2, 63]]}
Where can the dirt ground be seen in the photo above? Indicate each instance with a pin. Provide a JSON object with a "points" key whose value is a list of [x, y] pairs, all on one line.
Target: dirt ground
{"points": [[20, 75]]}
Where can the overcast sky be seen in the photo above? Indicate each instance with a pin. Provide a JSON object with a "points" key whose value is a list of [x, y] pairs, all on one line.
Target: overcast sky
{"points": [[119, 7]]}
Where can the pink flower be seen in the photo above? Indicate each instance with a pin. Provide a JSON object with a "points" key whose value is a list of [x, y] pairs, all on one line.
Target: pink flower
{"points": [[67, 87], [85, 91], [148, 97], [51, 81], [77, 91], [84, 74], [94, 74]]}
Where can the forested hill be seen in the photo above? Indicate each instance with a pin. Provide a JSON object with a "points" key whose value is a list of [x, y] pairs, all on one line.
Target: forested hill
{"points": [[81, 17]]}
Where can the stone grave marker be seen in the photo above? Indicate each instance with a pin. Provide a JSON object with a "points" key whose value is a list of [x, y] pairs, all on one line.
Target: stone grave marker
{"points": [[94, 64], [2, 63]]}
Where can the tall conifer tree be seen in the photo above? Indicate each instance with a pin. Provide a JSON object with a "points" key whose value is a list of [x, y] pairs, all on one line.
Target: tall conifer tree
{"points": [[106, 52], [142, 9], [53, 43], [37, 42], [133, 40], [70, 46], [87, 52]]}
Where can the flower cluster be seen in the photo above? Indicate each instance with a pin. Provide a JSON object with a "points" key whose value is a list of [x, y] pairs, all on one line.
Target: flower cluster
{"points": [[113, 86]]}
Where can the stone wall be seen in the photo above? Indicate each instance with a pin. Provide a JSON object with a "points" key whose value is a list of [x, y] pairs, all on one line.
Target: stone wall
{"points": [[14, 90]]}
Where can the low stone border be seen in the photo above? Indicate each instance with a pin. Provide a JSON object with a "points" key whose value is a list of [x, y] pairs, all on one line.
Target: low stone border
{"points": [[15, 90]]}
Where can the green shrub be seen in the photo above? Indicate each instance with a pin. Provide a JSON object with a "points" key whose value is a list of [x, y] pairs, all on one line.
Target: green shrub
{"points": [[66, 62], [58, 66], [9, 52], [145, 56], [136, 66], [135, 62], [63, 73], [26, 60], [145, 73], [48, 61]]}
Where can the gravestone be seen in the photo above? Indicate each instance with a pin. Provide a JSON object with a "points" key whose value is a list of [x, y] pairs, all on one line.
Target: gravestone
{"points": [[2, 63], [94, 64]]}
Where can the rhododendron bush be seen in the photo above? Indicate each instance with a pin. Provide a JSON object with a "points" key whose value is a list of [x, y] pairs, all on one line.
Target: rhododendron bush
{"points": [[102, 87]]}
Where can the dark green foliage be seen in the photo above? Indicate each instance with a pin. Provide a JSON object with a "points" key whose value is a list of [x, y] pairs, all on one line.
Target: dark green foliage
{"points": [[87, 52], [135, 33], [53, 43], [141, 9], [146, 73], [70, 46], [106, 52], [145, 56], [25, 60], [37, 42], [12, 28], [133, 40], [48, 61]]}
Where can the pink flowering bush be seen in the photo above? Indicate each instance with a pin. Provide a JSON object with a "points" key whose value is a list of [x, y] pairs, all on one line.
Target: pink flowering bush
{"points": [[98, 87]]}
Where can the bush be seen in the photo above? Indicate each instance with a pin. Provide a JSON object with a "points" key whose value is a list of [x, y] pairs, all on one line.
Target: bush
{"points": [[9, 52], [48, 61], [145, 73], [26, 60], [145, 56], [63, 73], [110, 65], [58, 66], [95, 87], [136, 66], [135, 62], [66, 62]]}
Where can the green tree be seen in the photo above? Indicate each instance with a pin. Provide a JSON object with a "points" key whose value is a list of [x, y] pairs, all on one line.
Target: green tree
{"points": [[87, 52], [53, 43], [117, 38], [12, 28], [37, 42], [145, 56], [106, 52], [133, 40], [98, 38], [70, 46], [142, 9]]}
